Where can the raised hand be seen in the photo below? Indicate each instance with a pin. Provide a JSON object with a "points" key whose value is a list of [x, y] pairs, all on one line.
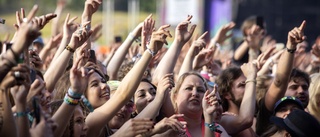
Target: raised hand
{"points": [[250, 70], [296, 35], [19, 18], [91, 6], [35, 60], [165, 84], [211, 104], [170, 123], [203, 58], [222, 33], [22, 84], [43, 20], [134, 127], [255, 35], [69, 27], [158, 38], [80, 36], [316, 50], [53, 42], [182, 33], [78, 76], [147, 29]]}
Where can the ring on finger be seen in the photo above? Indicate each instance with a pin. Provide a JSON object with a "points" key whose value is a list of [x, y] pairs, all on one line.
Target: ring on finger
{"points": [[17, 74]]}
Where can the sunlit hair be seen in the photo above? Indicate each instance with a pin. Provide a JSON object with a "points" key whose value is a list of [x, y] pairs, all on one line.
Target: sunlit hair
{"points": [[248, 23], [68, 131], [262, 85], [225, 80], [124, 69], [178, 84], [314, 96]]}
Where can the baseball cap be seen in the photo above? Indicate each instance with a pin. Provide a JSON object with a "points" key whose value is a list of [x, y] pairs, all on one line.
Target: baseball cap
{"points": [[298, 123], [288, 99], [39, 40]]}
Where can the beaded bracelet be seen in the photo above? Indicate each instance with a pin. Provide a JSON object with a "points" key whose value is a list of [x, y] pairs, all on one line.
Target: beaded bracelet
{"points": [[74, 95], [151, 52], [20, 114], [69, 49], [211, 126], [71, 101]]}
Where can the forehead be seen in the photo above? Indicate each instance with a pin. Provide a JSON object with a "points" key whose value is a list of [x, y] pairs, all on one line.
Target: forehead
{"points": [[145, 84], [193, 79], [94, 76], [240, 79], [298, 80]]}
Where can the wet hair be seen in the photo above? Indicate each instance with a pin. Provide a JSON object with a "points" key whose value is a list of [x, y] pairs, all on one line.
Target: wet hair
{"points": [[224, 81], [178, 85]]}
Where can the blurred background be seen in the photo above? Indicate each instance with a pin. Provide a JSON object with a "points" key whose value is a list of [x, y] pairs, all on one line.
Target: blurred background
{"points": [[119, 17]]}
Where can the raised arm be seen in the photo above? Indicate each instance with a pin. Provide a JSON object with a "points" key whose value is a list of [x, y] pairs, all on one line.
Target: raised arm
{"points": [[167, 63], [58, 66], [100, 117], [284, 68], [152, 109], [236, 124], [55, 22], [68, 28], [90, 7], [78, 81], [122, 51], [250, 44], [195, 48]]}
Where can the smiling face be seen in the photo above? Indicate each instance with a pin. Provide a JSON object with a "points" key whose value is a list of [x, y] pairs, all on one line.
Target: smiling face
{"points": [[98, 92], [122, 116], [188, 98], [79, 127], [143, 96]]}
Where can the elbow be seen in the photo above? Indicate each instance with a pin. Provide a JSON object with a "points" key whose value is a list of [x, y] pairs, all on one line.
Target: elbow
{"points": [[247, 122]]}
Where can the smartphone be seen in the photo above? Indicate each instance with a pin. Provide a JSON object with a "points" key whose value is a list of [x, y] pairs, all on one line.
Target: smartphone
{"points": [[260, 22], [36, 109], [93, 56]]}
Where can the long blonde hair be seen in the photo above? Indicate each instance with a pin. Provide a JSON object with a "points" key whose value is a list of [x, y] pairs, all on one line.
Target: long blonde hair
{"points": [[314, 96]]}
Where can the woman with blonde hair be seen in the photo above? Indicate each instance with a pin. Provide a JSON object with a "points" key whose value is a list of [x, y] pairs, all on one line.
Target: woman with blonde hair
{"points": [[314, 95]]}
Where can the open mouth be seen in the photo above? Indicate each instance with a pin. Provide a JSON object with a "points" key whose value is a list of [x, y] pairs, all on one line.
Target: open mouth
{"points": [[105, 95]]}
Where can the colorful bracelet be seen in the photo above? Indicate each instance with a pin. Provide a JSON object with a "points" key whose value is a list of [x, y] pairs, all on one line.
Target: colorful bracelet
{"points": [[74, 95], [71, 101], [20, 114], [151, 52], [87, 103], [212, 126]]}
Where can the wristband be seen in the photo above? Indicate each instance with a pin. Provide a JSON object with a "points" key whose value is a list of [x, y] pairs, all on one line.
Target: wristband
{"points": [[212, 126], [87, 103], [151, 52], [69, 48], [131, 37], [74, 95], [251, 80], [20, 114], [291, 50], [71, 101]]}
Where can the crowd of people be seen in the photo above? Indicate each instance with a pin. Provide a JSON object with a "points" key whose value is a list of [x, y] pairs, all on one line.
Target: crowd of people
{"points": [[62, 87]]}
